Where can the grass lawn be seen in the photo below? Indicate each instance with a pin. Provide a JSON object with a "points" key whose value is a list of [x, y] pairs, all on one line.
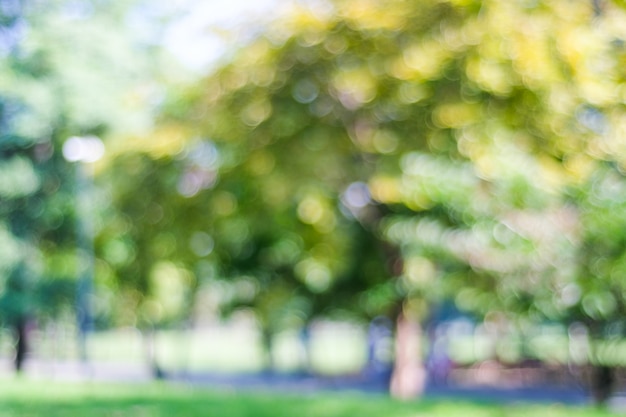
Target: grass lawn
{"points": [[24, 398]]}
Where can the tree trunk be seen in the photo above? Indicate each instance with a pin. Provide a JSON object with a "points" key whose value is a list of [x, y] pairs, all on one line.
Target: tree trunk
{"points": [[602, 383], [267, 342], [21, 345], [408, 377], [149, 337], [304, 337], [601, 377]]}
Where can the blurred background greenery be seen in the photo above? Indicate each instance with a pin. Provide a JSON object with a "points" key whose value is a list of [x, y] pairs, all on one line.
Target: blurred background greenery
{"points": [[349, 183]]}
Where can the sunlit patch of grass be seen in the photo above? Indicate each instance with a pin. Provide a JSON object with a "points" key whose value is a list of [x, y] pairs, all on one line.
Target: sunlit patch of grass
{"points": [[23, 397]]}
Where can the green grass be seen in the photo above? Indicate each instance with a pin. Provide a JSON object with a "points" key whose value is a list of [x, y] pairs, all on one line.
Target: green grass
{"points": [[25, 398]]}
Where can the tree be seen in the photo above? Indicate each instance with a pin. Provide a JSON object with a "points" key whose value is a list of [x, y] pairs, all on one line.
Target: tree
{"points": [[62, 73], [463, 120], [593, 295]]}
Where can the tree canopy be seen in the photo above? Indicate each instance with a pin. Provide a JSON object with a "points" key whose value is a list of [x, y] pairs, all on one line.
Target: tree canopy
{"points": [[63, 73], [452, 130], [410, 152], [356, 158]]}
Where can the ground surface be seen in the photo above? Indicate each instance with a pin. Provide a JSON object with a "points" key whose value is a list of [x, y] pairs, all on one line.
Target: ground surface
{"points": [[373, 383], [26, 397]]}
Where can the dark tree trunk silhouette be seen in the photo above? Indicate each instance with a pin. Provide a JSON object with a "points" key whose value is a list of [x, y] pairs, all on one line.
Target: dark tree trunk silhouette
{"points": [[602, 383], [21, 345], [149, 336]]}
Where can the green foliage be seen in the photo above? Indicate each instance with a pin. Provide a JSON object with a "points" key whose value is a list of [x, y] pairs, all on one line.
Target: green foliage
{"points": [[460, 127], [597, 293], [63, 72], [350, 160]]}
